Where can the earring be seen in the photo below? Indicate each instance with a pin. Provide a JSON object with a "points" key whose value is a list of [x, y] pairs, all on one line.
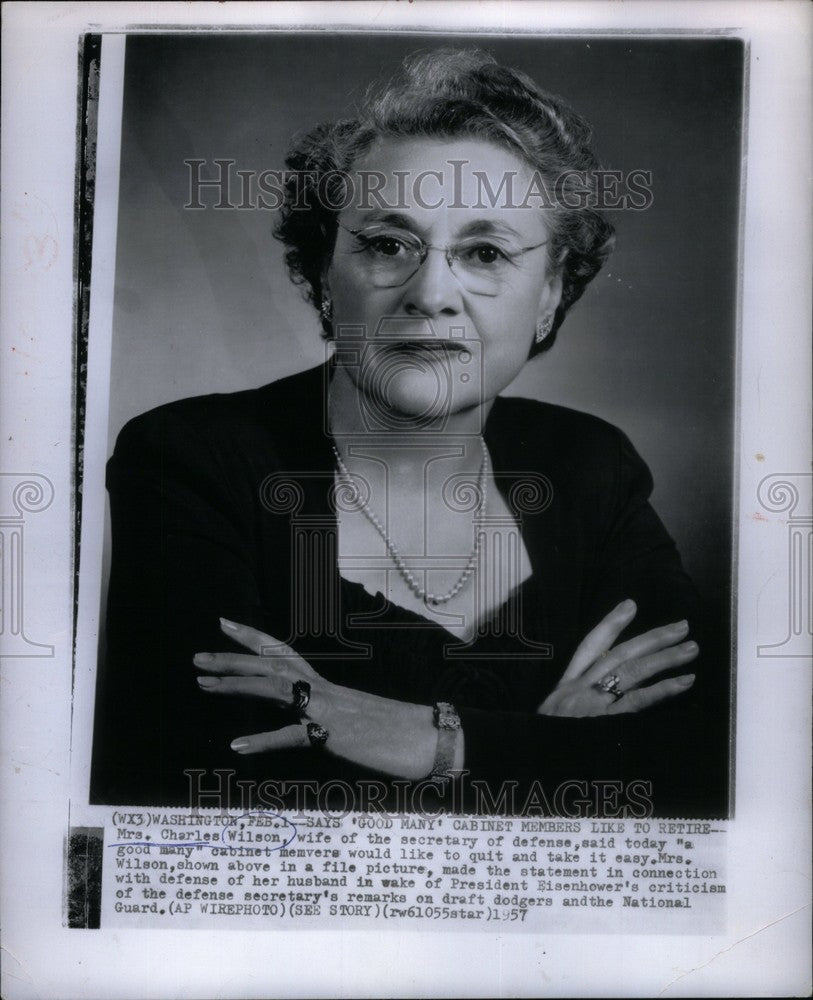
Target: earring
{"points": [[543, 329], [326, 309]]}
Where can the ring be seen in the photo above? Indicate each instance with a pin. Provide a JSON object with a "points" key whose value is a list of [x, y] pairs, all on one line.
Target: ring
{"points": [[301, 696], [317, 734], [611, 684]]}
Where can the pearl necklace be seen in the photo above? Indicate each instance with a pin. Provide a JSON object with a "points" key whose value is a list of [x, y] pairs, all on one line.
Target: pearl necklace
{"points": [[395, 555]]}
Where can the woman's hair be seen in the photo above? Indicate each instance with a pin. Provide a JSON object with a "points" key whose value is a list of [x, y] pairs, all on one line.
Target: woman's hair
{"points": [[445, 94]]}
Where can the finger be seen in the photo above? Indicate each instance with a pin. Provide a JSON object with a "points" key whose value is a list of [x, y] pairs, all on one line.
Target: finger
{"points": [[600, 639], [263, 644], [641, 698], [250, 637], [281, 739], [634, 672], [640, 646], [239, 664], [276, 689]]}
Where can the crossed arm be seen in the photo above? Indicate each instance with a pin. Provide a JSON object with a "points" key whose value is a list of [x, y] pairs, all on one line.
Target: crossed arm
{"points": [[399, 738], [184, 553]]}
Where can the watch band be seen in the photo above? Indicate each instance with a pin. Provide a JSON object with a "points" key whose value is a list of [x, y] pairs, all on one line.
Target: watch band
{"points": [[447, 723]]}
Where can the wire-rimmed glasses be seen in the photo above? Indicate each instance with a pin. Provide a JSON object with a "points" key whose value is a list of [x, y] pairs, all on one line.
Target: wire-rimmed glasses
{"points": [[393, 255]]}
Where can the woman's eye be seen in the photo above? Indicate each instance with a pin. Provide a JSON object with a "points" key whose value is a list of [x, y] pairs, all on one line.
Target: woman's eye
{"points": [[485, 253], [387, 246]]}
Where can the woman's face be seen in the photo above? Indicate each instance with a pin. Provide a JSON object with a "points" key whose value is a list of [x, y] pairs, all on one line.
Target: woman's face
{"points": [[439, 338]]}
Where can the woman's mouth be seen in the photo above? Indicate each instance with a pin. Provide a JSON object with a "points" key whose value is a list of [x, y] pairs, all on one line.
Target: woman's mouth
{"points": [[443, 347]]}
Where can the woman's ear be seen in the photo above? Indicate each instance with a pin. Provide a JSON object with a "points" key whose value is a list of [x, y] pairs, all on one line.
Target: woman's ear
{"points": [[548, 304], [551, 297]]}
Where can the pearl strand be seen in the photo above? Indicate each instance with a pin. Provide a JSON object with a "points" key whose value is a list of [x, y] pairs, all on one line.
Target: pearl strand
{"points": [[395, 555]]}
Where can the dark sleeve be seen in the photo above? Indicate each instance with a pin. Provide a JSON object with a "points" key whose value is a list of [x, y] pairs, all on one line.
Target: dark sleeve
{"points": [[181, 557], [678, 750], [634, 555]]}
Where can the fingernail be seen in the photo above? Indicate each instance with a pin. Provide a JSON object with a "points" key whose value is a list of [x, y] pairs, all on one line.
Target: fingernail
{"points": [[230, 626], [240, 745], [627, 606], [208, 682], [680, 625], [687, 680], [689, 647], [203, 658]]}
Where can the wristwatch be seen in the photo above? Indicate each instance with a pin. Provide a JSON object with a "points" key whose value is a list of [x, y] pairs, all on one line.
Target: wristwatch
{"points": [[447, 723]]}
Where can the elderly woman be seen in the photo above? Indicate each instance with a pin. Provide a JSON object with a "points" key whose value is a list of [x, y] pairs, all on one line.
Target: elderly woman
{"points": [[382, 568]]}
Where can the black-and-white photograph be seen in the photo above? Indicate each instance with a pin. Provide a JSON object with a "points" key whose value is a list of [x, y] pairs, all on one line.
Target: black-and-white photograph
{"points": [[421, 429], [405, 502]]}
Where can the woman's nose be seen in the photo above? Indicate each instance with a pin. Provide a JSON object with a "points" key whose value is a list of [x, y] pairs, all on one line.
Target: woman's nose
{"points": [[433, 289]]}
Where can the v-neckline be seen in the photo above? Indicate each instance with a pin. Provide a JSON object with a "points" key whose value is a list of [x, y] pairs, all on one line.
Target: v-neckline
{"points": [[390, 609]]}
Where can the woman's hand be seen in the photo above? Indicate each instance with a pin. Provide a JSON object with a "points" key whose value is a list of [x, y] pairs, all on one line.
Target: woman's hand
{"points": [[604, 681], [389, 736]]}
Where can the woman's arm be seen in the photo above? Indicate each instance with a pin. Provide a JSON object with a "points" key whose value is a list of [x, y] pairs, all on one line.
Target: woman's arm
{"points": [[185, 508], [399, 738], [657, 733], [181, 557], [678, 746], [396, 738]]}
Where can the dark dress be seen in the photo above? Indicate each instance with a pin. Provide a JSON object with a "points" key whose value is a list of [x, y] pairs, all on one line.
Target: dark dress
{"points": [[222, 506]]}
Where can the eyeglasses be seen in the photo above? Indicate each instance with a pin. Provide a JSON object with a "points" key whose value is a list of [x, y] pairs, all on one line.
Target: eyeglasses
{"points": [[392, 256]]}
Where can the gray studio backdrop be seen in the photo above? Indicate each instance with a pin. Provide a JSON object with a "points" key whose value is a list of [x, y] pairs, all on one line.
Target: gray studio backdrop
{"points": [[203, 302]]}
